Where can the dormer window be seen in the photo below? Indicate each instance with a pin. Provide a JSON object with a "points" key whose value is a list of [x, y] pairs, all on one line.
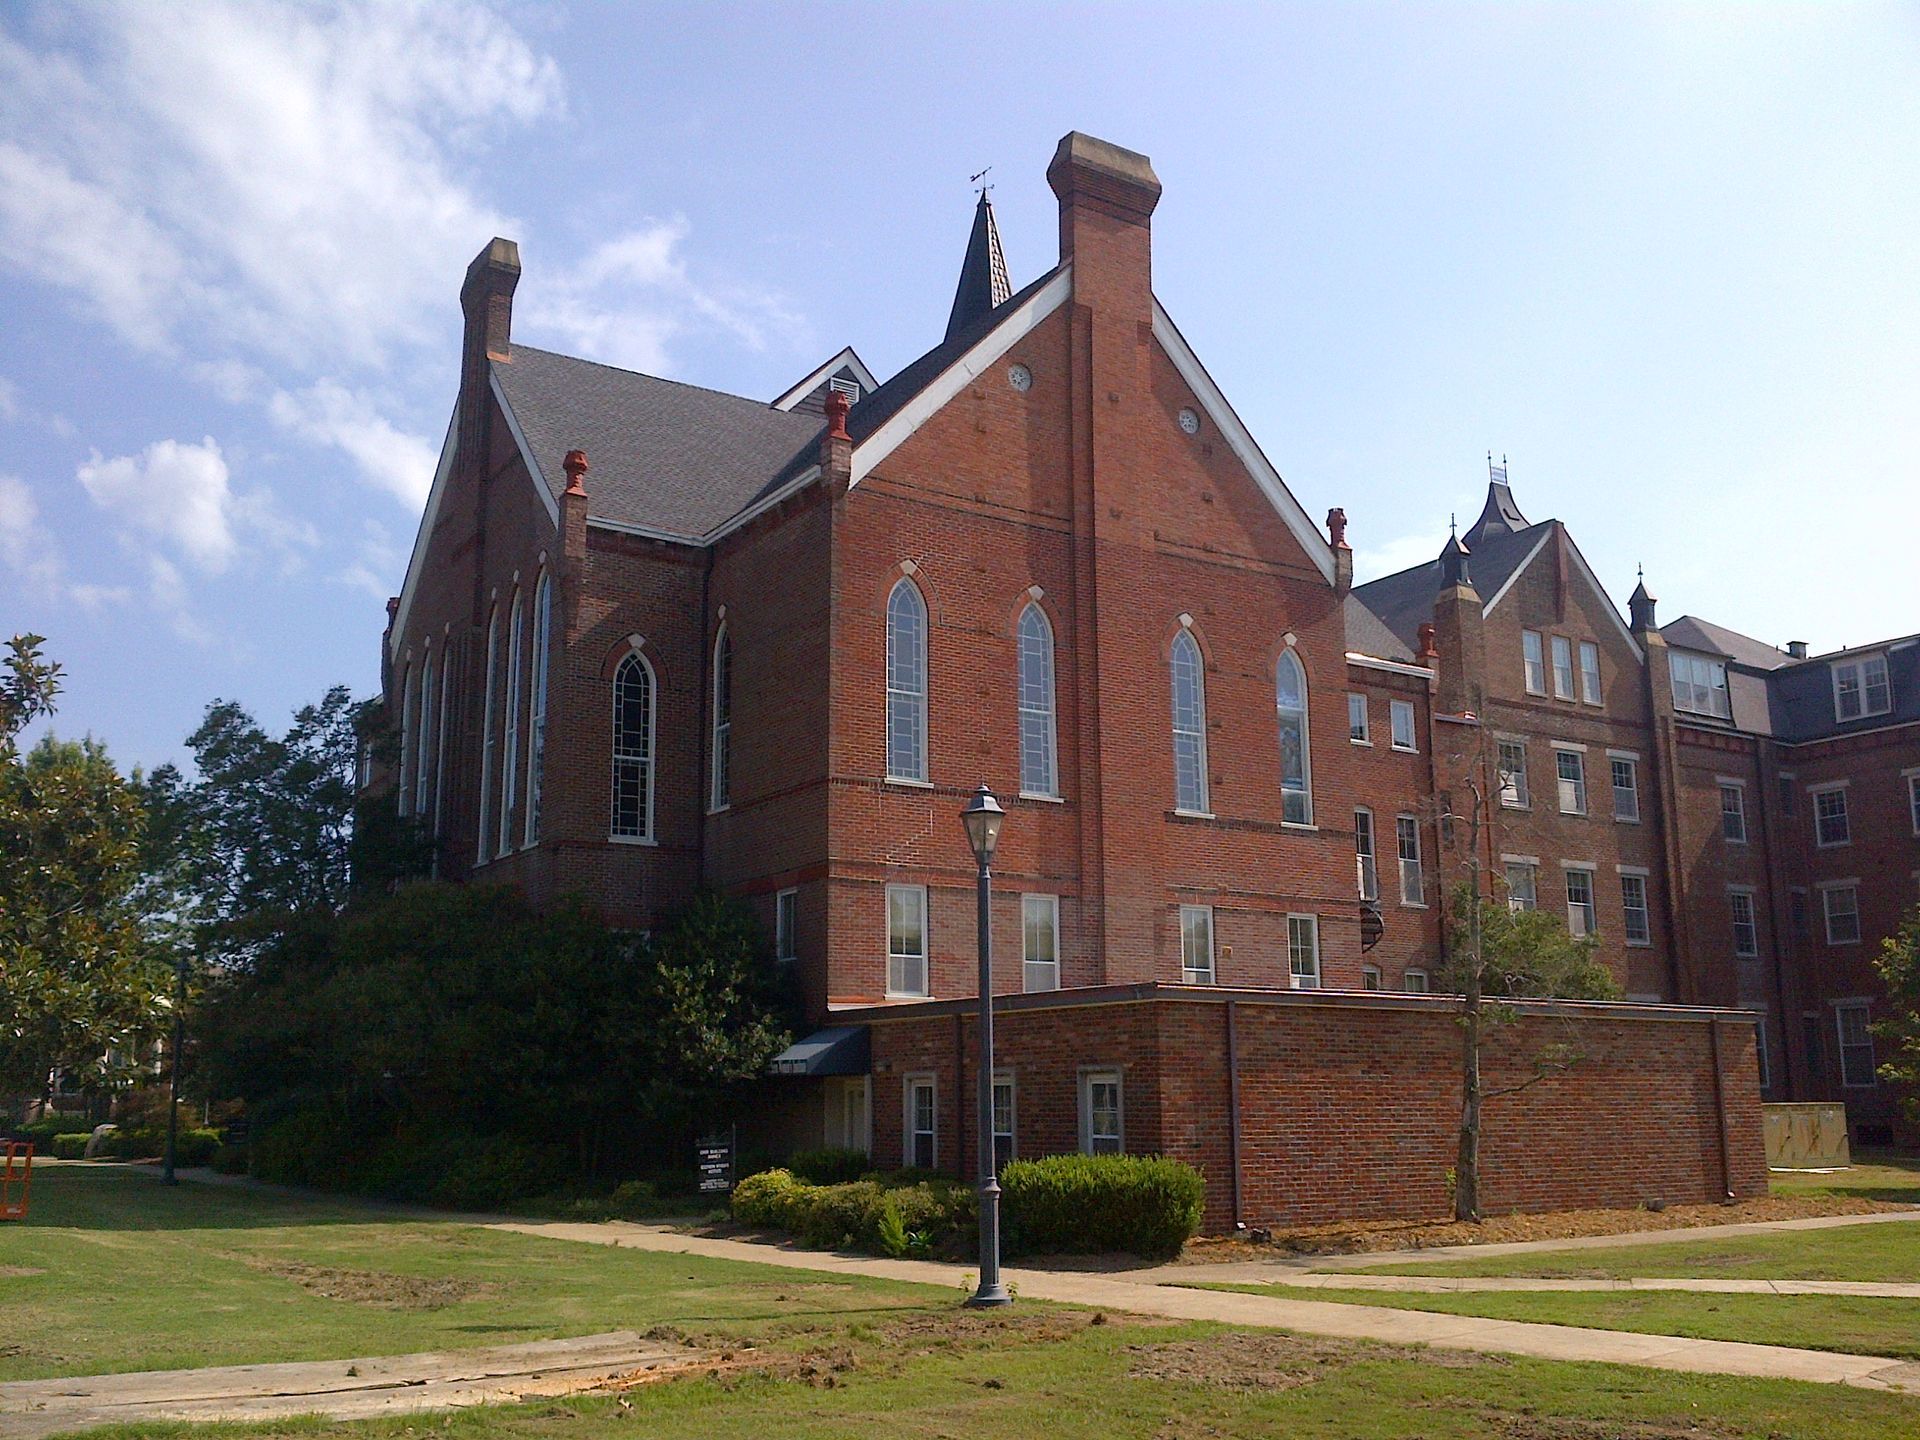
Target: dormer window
{"points": [[1860, 688], [1700, 685], [845, 385]]}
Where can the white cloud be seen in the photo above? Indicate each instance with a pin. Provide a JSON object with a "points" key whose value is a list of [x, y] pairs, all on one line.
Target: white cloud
{"points": [[180, 493], [330, 414], [9, 399], [167, 590], [378, 568], [25, 544]]}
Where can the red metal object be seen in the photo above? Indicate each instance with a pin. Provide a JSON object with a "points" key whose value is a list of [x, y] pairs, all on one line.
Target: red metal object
{"points": [[16, 1179]]}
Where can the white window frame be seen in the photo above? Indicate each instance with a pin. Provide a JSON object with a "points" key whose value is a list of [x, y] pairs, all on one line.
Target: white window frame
{"points": [[1358, 733], [1738, 790], [1912, 777], [1398, 710], [1413, 895], [1533, 661], [909, 1131], [1578, 781], [1746, 927], [1285, 716], [720, 743], [1366, 855], [1039, 762], [1841, 1010], [786, 923], [482, 850], [1184, 655], [1589, 912], [510, 732], [1528, 865], [1861, 669], [649, 760], [1516, 792], [1303, 951], [1820, 792], [1370, 977], [1194, 920], [1631, 814], [1631, 879], [1590, 691], [1103, 1075], [1039, 975], [1416, 981], [1004, 1080], [1831, 888], [1699, 684], [1562, 668], [901, 961], [537, 691], [908, 684]]}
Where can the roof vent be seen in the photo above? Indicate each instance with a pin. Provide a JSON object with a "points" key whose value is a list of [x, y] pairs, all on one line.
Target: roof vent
{"points": [[1797, 649]]}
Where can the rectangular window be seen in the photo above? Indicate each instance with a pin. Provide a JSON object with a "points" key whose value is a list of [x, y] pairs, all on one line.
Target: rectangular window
{"points": [[786, 916], [1580, 916], [1040, 942], [1196, 944], [1401, 713], [1303, 951], [1357, 720], [1562, 668], [1860, 688], [1856, 1045], [1913, 801], [922, 1114], [1522, 885], [1589, 672], [1733, 813], [1626, 788], [1414, 982], [1700, 685], [1842, 905], [1761, 1056], [1831, 825], [1002, 1121], [1412, 884], [1369, 977], [1746, 934], [1571, 767], [1536, 663], [1513, 775], [1797, 904], [1637, 924], [1101, 1119], [906, 940], [1363, 854]]}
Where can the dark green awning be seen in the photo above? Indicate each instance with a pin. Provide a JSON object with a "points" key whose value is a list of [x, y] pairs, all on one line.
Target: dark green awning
{"points": [[837, 1050]]}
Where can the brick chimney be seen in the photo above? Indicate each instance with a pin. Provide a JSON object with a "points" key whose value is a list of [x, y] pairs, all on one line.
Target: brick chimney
{"points": [[1459, 625], [1342, 551], [486, 302], [836, 446], [1107, 196]]}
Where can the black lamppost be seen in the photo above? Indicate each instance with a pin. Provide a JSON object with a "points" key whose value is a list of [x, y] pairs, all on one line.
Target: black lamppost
{"points": [[983, 818], [173, 1065]]}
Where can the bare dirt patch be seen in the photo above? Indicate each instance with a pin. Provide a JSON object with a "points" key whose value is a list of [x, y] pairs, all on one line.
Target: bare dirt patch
{"points": [[1244, 1361], [19, 1272], [1537, 1427], [1366, 1237], [378, 1288]]}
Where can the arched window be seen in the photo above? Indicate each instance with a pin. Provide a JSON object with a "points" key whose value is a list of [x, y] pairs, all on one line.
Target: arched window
{"points": [[1038, 773], [487, 740], [537, 705], [510, 732], [722, 719], [423, 736], [1296, 769], [906, 683], [440, 740], [1189, 726], [406, 738], [633, 750]]}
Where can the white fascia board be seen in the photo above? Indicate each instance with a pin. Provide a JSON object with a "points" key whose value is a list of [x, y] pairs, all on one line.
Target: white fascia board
{"points": [[1592, 580], [806, 387], [526, 451], [427, 518], [1518, 571], [1241, 440], [957, 376], [1392, 667]]}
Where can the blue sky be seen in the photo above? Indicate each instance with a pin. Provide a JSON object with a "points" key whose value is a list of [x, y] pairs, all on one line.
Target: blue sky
{"points": [[1661, 257]]}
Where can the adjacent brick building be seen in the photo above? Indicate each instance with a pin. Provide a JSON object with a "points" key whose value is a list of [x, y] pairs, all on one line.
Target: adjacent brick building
{"points": [[654, 637]]}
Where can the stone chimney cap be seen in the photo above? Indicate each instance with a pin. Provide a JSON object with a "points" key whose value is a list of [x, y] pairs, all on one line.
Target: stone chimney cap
{"points": [[497, 255], [1797, 649], [1101, 170]]}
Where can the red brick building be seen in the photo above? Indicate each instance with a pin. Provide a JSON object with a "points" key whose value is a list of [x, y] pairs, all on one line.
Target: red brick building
{"points": [[654, 637]]}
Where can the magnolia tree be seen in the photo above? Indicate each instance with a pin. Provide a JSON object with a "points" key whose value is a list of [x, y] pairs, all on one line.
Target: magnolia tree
{"points": [[1899, 965]]}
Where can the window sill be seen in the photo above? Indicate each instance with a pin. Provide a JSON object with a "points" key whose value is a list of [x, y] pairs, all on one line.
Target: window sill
{"points": [[1303, 825], [898, 995], [1842, 944], [713, 810], [1351, 740], [1831, 844], [1413, 905], [1575, 814], [1406, 749], [1191, 978], [1626, 819], [1193, 814], [910, 784], [1639, 944], [1509, 805], [1043, 799], [631, 840]]}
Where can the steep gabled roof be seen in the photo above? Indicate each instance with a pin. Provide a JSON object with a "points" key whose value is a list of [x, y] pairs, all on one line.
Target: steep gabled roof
{"points": [[1499, 516], [1690, 632], [983, 273], [1367, 634], [1404, 599], [670, 458]]}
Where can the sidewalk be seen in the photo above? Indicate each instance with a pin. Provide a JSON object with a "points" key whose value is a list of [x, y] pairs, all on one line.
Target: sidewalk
{"points": [[1144, 1293], [1468, 1284]]}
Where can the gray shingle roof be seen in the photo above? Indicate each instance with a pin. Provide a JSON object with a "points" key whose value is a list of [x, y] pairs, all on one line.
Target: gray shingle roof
{"points": [[671, 457], [1368, 635], [1404, 599], [1690, 632]]}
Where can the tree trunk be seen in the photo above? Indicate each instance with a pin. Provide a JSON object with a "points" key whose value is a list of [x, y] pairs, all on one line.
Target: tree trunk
{"points": [[1466, 1171]]}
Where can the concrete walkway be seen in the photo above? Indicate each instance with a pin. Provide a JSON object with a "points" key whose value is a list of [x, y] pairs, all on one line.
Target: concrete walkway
{"points": [[1469, 1284], [1142, 1293], [339, 1389]]}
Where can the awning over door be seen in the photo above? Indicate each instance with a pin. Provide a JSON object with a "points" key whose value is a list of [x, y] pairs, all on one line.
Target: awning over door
{"points": [[836, 1050]]}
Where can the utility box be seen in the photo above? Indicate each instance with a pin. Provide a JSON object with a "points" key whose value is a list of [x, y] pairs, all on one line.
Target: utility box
{"points": [[1809, 1136]]}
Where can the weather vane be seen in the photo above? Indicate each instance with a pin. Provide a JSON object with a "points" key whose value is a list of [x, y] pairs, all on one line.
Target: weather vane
{"points": [[975, 180]]}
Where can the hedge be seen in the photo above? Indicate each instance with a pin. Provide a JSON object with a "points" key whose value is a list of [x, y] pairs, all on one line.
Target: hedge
{"points": [[1094, 1204], [39, 1133], [456, 1172], [869, 1214], [70, 1145], [830, 1166]]}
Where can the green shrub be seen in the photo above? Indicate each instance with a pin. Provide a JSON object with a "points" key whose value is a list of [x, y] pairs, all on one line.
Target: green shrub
{"points": [[231, 1159], [69, 1145], [764, 1199], [892, 1232], [1143, 1204], [929, 1212], [830, 1166], [303, 1148], [39, 1133]]}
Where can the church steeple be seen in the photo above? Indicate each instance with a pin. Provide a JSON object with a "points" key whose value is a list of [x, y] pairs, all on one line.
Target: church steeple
{"points": [[983, 274]]}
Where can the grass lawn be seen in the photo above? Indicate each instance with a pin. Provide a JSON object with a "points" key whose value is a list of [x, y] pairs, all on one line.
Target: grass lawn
{"points": [[132, 1275], [1875, 1175]]}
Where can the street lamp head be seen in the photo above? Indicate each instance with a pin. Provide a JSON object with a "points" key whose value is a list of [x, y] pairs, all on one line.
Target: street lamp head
{"points": [[983, 818]]}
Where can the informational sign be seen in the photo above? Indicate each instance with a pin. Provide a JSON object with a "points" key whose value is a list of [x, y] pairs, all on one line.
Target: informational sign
{"points": [[713, 1158]]}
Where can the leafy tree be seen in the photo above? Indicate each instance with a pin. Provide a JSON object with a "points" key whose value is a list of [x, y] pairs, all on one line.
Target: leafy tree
{"points": [[1899, 965], [28, 686]]}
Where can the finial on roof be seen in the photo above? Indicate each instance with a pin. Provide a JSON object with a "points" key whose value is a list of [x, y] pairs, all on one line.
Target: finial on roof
{"points": [[1500, 515], [983, 273], [837, 407], [574, 462], [1337, 527], [1640, 604]]}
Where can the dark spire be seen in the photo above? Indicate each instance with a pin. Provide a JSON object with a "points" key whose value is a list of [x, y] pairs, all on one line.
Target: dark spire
{"points": [[1500, 515], [983, 274], [1453, 561], [1640, 606]]}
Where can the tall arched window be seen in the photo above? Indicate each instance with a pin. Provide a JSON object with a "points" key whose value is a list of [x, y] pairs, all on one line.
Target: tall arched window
{"points": [[1189, 726], [423, 735], [440, 739], [906, 683], [510, 732], [487, 740], [537, 705], [406, 738], [1296, 768], [1038, 773], [722, 719], [633, 716]]}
